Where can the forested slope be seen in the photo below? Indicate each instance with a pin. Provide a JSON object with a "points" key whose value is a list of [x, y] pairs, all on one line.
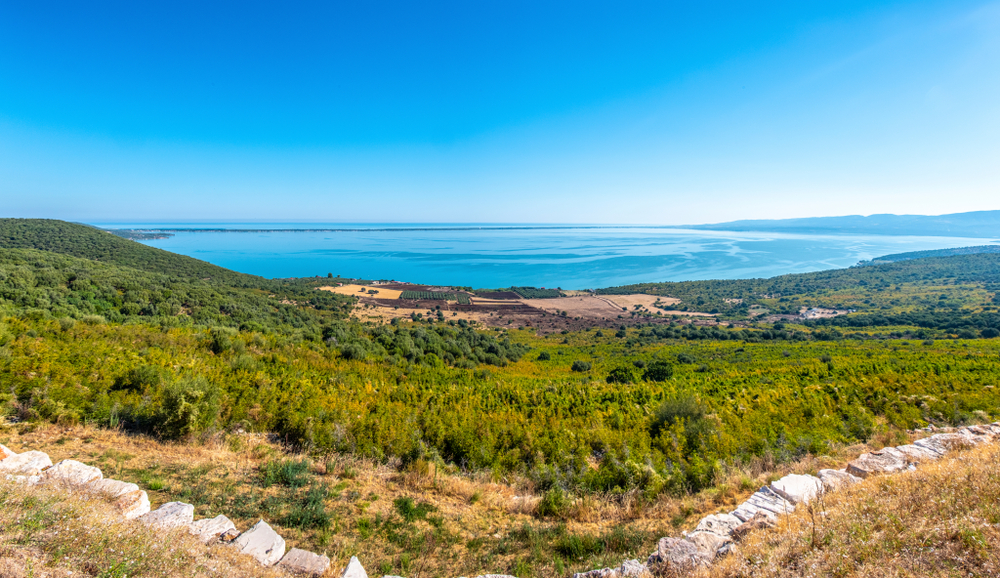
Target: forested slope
{"points": [[91, 243]]}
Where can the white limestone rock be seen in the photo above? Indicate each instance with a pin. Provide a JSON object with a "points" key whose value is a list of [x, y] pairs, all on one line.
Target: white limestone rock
{"points": [[30, 480], [834, 480], [676, 555], [171, 515], [708, 542], [209, 529], [302, 562], [6, 452], [133, 504], [721, 524], [71, 473], [798, 489], [263, 543], [917, 454], [354, 569], [880, 462], [25, 464], [112, 488]]}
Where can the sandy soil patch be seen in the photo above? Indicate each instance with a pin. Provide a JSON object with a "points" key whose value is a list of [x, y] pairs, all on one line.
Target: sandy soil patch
{"points": [[593, 307], [644, 301], [362, 291], [380, 314]]}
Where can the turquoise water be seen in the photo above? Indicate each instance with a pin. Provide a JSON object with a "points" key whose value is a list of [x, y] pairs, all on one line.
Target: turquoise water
{"points": [[570, 258]]}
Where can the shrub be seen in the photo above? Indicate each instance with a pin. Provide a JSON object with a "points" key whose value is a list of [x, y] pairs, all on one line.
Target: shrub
{"points": [[623, 374], [291, 473], [658, 370], [685, 358], [553, 504], [989, 333], [190, 406], [220, 339], [544, 356], [580, 366]]}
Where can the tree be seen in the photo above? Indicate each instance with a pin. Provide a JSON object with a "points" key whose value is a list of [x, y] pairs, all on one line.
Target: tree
{"points": [[658, 370], [622, 374], [580, 366]]}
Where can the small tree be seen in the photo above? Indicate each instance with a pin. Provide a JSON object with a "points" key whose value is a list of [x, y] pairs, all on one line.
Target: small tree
{"points": [[658, 370], [580, 366]]}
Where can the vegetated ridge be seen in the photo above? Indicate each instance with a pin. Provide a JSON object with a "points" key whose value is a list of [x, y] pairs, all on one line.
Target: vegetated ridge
{"points": [[604, 435]]}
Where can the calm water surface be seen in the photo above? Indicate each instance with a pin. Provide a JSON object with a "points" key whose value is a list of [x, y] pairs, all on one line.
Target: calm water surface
{"points": [[570, 258]]}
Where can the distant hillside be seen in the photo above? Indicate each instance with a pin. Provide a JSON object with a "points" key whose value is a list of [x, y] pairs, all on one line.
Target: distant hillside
{"points": [[975, 224], [91, 243], [933, 253]]}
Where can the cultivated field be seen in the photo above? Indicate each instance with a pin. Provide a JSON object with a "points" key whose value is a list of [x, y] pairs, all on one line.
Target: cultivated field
{"points": [[362, 291]]}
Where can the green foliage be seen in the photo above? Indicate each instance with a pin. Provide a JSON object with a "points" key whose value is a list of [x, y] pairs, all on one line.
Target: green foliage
{"points": [[412, 511], [536, 293], [554, 503], [658, 370], [544, 356], [580, 366], [623, 374], [190, 406], [290, 473], [428, 295]]}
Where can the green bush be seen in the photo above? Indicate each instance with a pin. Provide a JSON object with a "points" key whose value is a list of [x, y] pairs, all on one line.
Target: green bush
{"points": [[553, 504], [622, 374], [190, 406], [290, 473], [658, 370], [580, 366]]}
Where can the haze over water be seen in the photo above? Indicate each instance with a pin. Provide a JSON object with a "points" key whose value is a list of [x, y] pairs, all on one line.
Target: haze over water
{"points": [[570, 258]]}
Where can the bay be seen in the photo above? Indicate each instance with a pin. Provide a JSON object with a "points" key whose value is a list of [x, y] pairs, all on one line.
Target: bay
{"points": [[491, 256]]}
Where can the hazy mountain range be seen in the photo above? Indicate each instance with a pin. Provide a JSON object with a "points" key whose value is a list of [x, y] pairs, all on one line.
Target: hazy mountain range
{"points": [[974, 224]]}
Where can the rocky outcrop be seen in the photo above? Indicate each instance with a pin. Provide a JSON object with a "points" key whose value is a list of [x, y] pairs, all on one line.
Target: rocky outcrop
{"points": [[209, 529], [760, 521], [354, 569], [263, 543], [302, 562], [71, 473], [834, 480], [880, 462], [677, 556], [25, 464], [797, 489], [170, 515]]}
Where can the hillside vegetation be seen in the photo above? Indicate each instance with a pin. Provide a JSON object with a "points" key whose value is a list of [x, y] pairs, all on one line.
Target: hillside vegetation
{"points": [[594, 428]]}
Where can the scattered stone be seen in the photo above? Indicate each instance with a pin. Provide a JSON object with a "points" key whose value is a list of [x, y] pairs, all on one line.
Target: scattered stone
{"points": [[113, 488], [880, 462], [304, 562], [6, 452], [721, 524], [171, 515], [30, 480], [984, 430], [25, 464], [835, 479], [676, 555], [633, 569], [355, 569], [264, 544], [72, 473], [759, 522], [229, 535], [768, 500], [601, 573], [209, 529], [798, 489], [917, 454], [708, 542], [133, 504]]}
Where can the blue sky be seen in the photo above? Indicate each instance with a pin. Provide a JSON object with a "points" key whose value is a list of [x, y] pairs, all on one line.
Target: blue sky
{"points": [[575, 112]]}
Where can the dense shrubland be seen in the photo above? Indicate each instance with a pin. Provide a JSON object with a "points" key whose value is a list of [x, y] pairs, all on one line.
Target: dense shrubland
{"points": [[661, 408]]}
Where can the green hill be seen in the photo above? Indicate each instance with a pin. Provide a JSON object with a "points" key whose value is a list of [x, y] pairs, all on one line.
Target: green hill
{"points": [[91, 243]]}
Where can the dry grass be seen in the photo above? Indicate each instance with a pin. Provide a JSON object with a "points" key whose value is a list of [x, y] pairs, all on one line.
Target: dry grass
{"points": [[463, 524], [362, 291], [46, 531], [941, 520]]}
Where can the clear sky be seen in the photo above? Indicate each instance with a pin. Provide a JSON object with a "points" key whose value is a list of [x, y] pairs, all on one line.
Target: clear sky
{"points": [[569, 112]]}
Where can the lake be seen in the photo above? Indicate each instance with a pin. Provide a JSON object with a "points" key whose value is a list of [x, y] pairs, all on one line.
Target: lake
{"points": [[566, 257]]}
